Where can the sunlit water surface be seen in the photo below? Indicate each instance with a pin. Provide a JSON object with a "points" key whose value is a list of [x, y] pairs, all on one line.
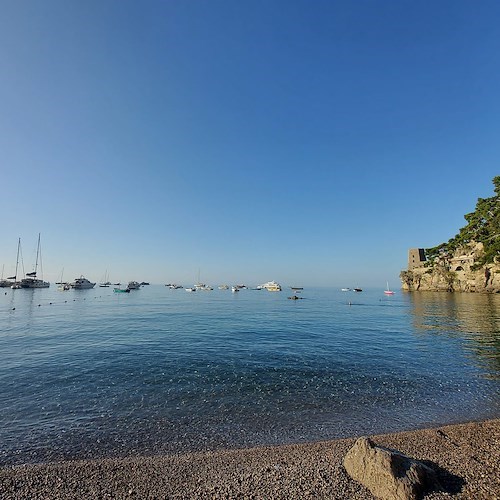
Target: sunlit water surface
{"points": [[98, 374]]}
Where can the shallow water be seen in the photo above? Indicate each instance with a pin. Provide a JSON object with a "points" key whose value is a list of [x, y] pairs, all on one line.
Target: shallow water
{"points": [[91, 373]]}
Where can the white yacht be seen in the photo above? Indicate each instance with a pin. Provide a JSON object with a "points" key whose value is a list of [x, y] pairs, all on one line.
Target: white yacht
{"points": [[203, 286], [82, 283], [271, 286]]}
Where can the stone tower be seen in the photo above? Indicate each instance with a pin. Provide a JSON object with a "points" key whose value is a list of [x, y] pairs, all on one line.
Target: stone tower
{"points": [[416, 258]]}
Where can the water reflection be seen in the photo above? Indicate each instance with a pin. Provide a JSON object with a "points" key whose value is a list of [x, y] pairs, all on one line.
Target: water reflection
{"points": [[473, 319]]}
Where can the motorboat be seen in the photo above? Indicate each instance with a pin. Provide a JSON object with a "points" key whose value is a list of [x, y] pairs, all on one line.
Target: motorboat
{"points": [[224, 287], [235, 289], [345, 289], [271, 286], [358, 290], [133, 285], [121, 290], [191, 289], [203, 287], [82, 283]]}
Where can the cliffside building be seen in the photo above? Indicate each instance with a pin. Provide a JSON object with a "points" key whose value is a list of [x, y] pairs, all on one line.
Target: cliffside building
{"points": [[416, 258]]}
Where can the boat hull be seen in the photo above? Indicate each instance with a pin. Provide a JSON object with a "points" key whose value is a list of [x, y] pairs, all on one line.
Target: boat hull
{"points": [[34, 283]]}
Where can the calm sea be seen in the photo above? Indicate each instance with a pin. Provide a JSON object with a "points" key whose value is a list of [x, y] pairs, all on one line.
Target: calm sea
{"points": [[93, 373]]}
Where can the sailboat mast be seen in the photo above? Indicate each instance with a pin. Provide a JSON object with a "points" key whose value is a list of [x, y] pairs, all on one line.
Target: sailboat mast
{"points": [[37, 253], [17, 259]]}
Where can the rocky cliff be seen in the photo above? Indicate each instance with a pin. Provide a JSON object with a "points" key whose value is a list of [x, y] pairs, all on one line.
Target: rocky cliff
{"points": [[455, 272], [468, 262]]}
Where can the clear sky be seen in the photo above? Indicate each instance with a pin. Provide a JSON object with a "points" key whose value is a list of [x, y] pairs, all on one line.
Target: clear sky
{"points": [[310, 142]]}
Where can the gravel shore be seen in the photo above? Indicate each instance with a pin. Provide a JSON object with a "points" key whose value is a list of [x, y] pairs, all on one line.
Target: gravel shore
{"points": [[466, 458]]}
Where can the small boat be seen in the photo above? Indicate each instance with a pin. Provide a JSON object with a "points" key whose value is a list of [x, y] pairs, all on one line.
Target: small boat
{"points": [[62, 285], [105, 282], [121, 290], [235, 289], [224, 287], [174, 286], [358, 290], [191, 289], [144, 283], [133, 285], [82, 283], [345, 289], [388, 291]]}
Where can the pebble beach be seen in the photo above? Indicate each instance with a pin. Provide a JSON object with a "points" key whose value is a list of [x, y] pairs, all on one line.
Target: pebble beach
{"points": [[466, 458]]}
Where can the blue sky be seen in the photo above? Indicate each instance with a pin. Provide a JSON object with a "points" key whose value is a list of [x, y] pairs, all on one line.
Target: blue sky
{"points": [[308, 142]]}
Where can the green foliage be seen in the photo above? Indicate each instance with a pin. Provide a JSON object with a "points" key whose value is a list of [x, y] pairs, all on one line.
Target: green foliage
{"points": [[483, 226]]}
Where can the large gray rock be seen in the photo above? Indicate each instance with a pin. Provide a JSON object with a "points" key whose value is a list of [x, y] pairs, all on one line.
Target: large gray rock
{"points": [[388, 474]]}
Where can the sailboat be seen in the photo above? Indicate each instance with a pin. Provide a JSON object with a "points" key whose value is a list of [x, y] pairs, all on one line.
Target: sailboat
{"points": [[16, 285], [31, 281], [4, 283], [63, 286], [105, 283], [388, 291]]}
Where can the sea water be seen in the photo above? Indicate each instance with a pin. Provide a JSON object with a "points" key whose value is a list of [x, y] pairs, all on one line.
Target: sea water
{"points": [[92, 373]]}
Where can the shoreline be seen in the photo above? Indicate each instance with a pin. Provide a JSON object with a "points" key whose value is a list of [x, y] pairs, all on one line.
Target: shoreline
{"points": [[465, 456]]}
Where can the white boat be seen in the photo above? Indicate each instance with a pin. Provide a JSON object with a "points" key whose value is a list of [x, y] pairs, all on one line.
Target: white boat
{"points": [[345, 289], [82, 283], [31, 281], [192, 289], [62, 285], [388, 291], [235, 289], [174, 286], [133, 285], [224, 287], [271, 286], [203, 287]]}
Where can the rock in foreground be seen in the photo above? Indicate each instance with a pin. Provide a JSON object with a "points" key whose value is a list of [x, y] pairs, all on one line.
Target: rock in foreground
{"points": [[388, 474]]}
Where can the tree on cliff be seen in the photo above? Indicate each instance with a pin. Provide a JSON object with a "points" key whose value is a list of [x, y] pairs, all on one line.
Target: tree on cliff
{"points": [[483, 226]]}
